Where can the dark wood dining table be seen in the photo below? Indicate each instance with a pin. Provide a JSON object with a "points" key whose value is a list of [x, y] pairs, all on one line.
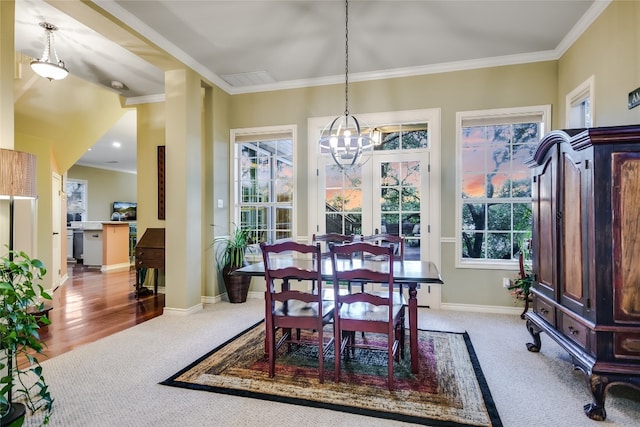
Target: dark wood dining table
{"points": [[407, 273]]}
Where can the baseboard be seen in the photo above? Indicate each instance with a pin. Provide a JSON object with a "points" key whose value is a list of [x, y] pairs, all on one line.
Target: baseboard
{"points": [[182, 311], [256, 295], [115, 267], [212, 300], [494, 309]]}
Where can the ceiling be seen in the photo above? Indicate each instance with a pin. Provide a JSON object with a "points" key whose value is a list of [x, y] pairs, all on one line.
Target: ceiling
{"points": [[248, 46]]}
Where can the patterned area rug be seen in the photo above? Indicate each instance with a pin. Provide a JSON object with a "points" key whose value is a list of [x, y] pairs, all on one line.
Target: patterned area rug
{"points": [[450, 389]]}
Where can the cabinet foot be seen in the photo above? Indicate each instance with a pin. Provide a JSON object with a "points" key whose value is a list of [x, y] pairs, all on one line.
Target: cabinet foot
{"points": [[598, 386], [595, 412], [534, 330]]}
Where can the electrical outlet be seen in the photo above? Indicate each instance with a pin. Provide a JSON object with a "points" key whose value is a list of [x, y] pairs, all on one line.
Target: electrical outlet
{"points": [[506, 282]]}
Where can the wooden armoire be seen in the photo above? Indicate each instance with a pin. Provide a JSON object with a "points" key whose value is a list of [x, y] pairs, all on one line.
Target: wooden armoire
{"points": [[586, 253]]}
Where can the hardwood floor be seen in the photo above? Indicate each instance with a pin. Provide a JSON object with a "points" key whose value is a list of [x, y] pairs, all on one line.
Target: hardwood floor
{"points": [[92, 305]]}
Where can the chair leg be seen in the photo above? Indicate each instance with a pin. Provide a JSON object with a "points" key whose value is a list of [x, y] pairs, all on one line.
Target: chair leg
{"points": [[337, 350], [320, 356], [272, 352], [391, 357]]}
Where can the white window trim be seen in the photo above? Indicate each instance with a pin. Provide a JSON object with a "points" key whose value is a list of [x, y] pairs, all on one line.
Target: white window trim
{"points": [[85, 201], [545, 112], [261, 131], [585, 90], [315, 125]]}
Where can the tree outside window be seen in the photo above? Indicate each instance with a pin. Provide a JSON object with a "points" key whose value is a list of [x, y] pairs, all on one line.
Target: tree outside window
{"points": [[495, 186]]}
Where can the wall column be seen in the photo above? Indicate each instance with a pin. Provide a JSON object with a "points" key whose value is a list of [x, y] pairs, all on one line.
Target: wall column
{"points": [[7, 64], [183, 202]]}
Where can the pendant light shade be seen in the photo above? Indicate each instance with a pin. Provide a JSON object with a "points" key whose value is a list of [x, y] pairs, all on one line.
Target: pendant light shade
{"points": [[49, 65]]}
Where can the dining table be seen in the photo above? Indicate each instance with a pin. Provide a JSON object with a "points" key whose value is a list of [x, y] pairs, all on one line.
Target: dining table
{"points": [[409, 273]]}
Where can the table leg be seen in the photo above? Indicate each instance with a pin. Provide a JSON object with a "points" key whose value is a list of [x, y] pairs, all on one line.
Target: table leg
{"points": [[413, 326]]}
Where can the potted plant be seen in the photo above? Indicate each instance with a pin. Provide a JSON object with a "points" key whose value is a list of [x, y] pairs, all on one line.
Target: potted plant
{"points": [[521, 286], [231, 255], [20, 311]]}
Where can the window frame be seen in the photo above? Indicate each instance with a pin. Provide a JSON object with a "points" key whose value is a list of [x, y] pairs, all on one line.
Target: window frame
{"points": [[583, 92], [498, 116], [83, 201], [262, 134]]}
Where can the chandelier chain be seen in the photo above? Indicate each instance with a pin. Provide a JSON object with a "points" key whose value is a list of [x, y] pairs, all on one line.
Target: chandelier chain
{"points": [[346, 58]]}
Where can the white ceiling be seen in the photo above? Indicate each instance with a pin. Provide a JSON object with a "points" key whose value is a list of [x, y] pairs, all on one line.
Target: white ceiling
{"points": [[246, 46]]}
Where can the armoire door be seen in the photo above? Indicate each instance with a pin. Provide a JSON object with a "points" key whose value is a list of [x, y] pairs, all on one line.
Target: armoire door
{"points": [[570, 216]]}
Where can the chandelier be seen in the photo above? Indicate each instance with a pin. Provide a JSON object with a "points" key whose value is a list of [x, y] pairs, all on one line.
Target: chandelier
{"points": [[345, 137], [49, 66]]}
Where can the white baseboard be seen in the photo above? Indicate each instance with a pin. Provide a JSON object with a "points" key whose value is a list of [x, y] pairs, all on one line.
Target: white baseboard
{"points": [[256, 295], [224, 297], [212, 300], [182, 311], [494, 309], [115, 267]]}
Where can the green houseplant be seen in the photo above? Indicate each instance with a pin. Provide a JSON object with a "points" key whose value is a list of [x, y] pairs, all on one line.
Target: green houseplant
{"points": [[231, 255], [20, 305], [521, 286]]}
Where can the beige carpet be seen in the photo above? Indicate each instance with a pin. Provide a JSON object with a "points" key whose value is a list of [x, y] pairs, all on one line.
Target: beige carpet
{"points": [[115, 381]]}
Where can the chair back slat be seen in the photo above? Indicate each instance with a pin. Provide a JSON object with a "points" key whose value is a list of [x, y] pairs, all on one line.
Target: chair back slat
{"points": [[331, 238], [384, 239], [357, 271]]}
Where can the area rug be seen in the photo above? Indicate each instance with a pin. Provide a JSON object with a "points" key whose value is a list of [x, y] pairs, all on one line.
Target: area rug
{"points": [[450, 389]]}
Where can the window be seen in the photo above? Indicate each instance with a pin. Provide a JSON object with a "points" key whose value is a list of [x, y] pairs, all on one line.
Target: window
{"points": [[76, 200], [579, 105], [264, 182], [494, 182]]}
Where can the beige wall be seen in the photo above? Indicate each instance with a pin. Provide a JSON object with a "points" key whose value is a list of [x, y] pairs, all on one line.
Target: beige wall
{"points": [[151, 134], [105, 187], [610, 51], [499, 87]]}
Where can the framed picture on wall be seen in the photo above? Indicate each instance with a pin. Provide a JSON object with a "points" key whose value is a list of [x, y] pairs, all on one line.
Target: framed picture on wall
{"points": [[161, 165]]}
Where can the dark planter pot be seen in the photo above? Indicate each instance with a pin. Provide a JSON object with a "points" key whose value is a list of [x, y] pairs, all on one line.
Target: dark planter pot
{"points": [[15, 417], [237, 286]]}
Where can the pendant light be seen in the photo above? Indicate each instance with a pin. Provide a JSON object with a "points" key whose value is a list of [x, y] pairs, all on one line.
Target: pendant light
{"points": [[49, 65], [345, 137]]}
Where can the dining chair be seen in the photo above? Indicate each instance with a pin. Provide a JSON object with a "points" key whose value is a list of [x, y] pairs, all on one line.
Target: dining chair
{"points": [[288, 309], [384, 239], [372, 312], [327, 239]]}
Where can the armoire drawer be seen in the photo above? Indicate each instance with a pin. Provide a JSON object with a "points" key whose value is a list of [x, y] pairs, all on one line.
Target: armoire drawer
{"points": [[574, 330], [545, 310], [627, 345]]}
